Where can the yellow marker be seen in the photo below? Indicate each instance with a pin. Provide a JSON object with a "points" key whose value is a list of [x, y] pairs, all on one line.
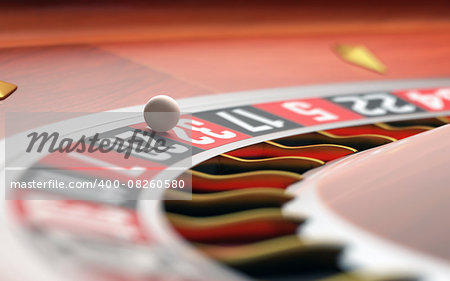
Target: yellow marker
{"points": [[6, 89], [361, 56]]}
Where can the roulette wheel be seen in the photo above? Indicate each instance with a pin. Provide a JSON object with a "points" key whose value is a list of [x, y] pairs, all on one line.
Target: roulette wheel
{"points": [[327, 181]]}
